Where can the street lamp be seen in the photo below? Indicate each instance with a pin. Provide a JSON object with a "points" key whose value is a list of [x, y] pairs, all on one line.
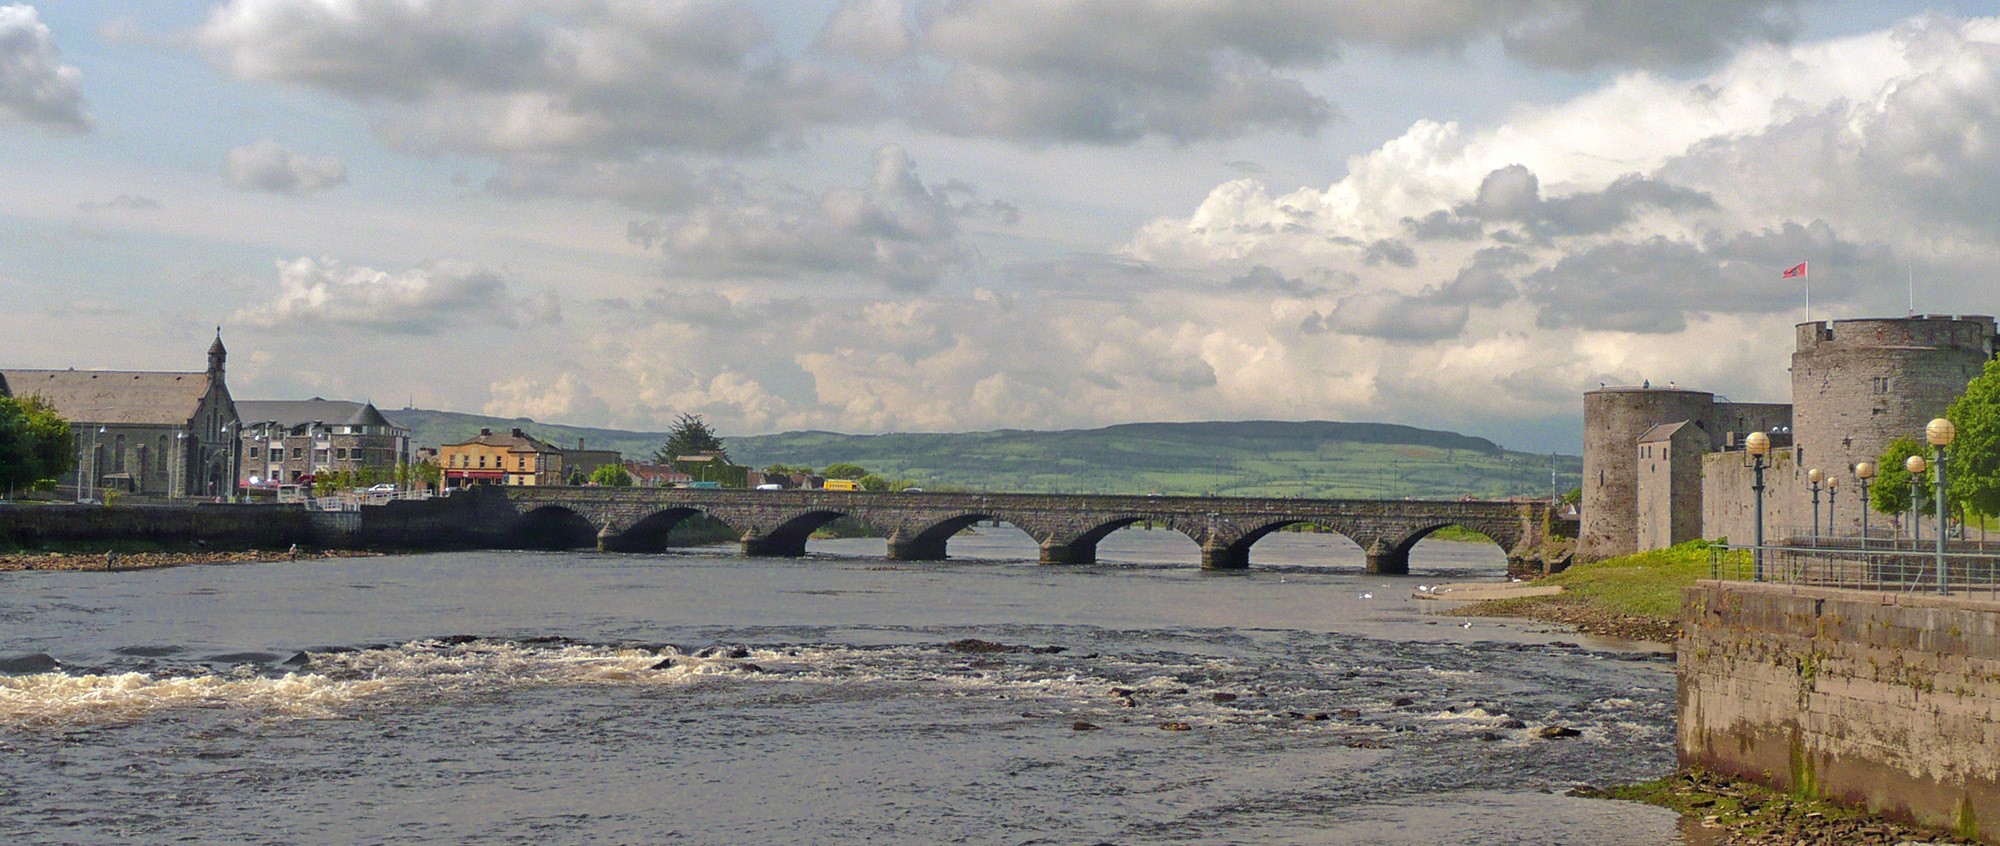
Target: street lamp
{"points": [[1815, 477], [1864, 471], [1940, 433], [1832, 493], [1916, 465], [1757, 445]]}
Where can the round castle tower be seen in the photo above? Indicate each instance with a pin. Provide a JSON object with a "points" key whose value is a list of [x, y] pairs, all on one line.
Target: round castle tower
{"points": [[1859, 384], [1613, 420]]}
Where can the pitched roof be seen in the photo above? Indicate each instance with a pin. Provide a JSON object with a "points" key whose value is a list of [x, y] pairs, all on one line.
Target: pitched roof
{"points": [[330, 412], [1662, 432], [114, 396], [515, 441]]}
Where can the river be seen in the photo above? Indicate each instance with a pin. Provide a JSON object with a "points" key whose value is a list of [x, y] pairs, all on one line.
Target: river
{"points": [[701, 697]]}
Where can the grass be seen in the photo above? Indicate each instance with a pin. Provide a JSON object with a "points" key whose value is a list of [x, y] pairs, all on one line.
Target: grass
{"points": [[1631, 596]]}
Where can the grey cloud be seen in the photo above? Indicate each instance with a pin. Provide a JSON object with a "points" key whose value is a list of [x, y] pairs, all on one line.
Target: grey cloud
{"points": [[870, 30], [1648, 33], [1390, 251], [35, 86], [1487, 280], [267, 166], [1262, 278], [513, 76], [1187, 373], [894, 229], [1513, 195], [122, 202], [1394, 317], [1442, 225]]}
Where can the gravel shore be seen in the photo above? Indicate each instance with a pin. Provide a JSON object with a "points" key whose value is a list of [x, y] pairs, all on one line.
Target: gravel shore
{"points": [[1567, 611], [111, 561]]}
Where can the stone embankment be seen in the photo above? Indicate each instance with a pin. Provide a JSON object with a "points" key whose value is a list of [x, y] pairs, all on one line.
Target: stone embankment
{"points": [[116, 561]]}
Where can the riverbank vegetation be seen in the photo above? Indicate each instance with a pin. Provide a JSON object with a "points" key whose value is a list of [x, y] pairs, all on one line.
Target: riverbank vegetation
{"points": [[1636, 597], [1744, 814]]}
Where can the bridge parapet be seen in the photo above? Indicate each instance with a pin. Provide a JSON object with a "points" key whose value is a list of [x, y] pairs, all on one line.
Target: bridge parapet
{"points": [[1067, 526]]}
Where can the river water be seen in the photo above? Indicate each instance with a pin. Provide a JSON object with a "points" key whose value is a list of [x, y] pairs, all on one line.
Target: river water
{"points": [[701, 697]]}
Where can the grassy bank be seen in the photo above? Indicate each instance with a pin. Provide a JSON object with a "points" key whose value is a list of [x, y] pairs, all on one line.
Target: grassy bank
{"points": [[1744, 814], [1632, 596]]}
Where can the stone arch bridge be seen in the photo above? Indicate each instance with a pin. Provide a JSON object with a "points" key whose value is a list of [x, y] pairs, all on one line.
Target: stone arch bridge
{"points": [[920, 525]]}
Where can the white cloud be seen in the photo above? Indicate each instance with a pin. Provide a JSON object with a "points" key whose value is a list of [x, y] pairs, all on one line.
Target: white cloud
{"points": [[325, 292], [267, 166], [564, 399], [895, 230], [35, 86]]}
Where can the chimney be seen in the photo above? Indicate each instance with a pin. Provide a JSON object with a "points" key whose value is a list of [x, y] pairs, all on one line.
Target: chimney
{"points": [[485, 432], [579, 444], [519, 434]]}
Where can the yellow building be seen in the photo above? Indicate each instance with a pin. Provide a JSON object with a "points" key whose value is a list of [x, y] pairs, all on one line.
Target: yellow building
{"points": [[516, 458]]}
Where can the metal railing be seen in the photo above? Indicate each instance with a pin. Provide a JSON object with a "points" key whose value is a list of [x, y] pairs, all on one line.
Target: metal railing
{"points": [[1970, 568]]}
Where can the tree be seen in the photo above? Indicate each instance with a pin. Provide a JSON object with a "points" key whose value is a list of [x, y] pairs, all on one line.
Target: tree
{"points": [[872, 482], [844, 470], [34, 442], [1974, 470], [690, 436], [1891, 491], [612, 476]]}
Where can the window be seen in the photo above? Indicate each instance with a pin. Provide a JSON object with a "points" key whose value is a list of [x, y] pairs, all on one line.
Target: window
{"points": [[340, 453], [319, 456], [482, 462]]}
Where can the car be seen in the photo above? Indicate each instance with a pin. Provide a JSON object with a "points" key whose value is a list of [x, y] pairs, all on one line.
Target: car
{"points": [[385, 487], [767, 486]]}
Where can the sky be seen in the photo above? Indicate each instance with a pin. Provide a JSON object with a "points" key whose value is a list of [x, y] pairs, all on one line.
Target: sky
{"points": [[954, 215]]}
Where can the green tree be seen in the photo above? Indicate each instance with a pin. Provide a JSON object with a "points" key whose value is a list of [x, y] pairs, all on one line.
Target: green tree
{"points": [[1891, 491], [1974, 470], [844, 470], [612, 476], [872, 482], [34, 442], [690, 436]]}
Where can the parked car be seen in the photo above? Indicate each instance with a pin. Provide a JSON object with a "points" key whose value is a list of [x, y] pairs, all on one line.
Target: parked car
{"points": [[385, 487], [770, 486]]}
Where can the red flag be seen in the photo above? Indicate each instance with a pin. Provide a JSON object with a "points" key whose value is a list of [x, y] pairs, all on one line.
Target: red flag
{"points": [[1796, 271]]}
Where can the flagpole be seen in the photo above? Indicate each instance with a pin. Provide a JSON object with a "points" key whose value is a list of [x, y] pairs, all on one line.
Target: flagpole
{"points": [[1806, 277]]}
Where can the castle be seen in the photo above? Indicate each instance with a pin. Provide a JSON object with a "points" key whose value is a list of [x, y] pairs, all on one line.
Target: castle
{"points": [[1666, 465]]}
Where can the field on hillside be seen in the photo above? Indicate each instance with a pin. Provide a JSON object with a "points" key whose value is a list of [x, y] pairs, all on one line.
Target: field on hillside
{"points": [[1247, 458]]}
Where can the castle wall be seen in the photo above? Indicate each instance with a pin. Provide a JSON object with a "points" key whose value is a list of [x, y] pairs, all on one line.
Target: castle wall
{"points": [[1613, 421], [1728, 509], [1859, 384], [1670, 494]]}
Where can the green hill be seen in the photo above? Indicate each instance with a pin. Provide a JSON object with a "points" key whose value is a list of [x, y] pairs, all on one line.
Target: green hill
{"points": [[1246, 458]]}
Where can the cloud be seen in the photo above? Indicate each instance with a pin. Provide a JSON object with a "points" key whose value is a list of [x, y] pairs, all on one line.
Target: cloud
{"points": [[35, 86], [313, 294], [894, 229], [567, 398], [651, 184], [266, 166], [122, 202], [570, 76]]}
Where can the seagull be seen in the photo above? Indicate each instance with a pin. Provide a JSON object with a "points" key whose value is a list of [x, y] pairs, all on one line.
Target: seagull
{"points": [[1368, 596]]}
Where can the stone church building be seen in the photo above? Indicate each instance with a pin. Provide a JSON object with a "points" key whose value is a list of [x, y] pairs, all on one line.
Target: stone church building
{"points": [[160, 434]]}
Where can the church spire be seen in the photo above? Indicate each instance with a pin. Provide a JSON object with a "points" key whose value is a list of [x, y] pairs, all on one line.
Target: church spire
{"points": [[217, 354]]}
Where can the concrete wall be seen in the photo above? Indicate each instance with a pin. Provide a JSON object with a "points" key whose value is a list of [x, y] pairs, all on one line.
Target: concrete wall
{"points": [[1884, 700], [1859, 384], [1727, 506], [240, 526]]}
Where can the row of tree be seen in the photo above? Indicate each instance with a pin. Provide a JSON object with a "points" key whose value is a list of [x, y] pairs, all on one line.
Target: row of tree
{"points": [[1972, 478], [34, 444]]}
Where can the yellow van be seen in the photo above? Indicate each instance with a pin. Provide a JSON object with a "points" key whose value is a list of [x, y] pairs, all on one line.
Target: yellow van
{"points": [[840, 485]]}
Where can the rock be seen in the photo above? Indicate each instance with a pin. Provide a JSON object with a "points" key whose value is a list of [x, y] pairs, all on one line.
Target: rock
{"points": [[664, 663], [1403, 702], [1511, 723], [1123, 692], [975, 645], [749, 667], [1491, 735], [1080, 725], [1320, 716], [34, 662], [1557, 731], [1360, 743], [298, 659], [1224, 697], [1348, 713], [1563, 644], [739, 652], [1176, 725]]}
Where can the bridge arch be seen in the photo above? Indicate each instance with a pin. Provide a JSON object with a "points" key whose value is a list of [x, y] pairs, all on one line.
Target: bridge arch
{"points": [[552, 527], [1226, 553], [649, 533], [1393, 553], [787, 539]]}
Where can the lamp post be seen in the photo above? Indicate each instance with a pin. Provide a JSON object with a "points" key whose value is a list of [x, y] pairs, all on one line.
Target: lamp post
{"points": [[1832, 493], [1916, 465], [1815, 477], [1940, 433], [1757, 445], [1865, 471]]}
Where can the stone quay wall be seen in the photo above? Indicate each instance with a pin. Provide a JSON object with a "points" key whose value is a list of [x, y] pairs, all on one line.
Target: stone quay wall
{"points": [[219, 526], [1883, 700]]}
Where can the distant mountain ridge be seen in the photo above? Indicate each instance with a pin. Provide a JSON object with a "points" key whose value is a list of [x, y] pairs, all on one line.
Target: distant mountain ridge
{"points": [[1244, 458]]}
